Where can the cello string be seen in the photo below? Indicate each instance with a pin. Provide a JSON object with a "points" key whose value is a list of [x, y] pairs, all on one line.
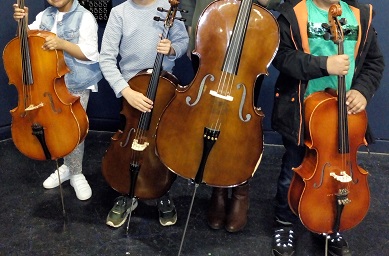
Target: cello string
{"points": [[227, 80], [236, 42], [26, 64], [343, 112], [152, 88], [146, 116], [229, 55], [25, 57], [21, 36]]}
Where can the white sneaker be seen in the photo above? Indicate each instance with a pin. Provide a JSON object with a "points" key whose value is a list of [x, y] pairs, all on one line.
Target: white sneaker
{"points": [[52, 181], [81, 186]]}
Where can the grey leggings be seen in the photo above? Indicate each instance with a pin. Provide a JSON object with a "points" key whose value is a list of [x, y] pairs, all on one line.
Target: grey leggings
{"points": [[74, 159]]}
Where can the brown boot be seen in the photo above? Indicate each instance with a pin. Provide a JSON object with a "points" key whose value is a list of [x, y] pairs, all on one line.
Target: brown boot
{"points": [[217, 210], [237, 213]]}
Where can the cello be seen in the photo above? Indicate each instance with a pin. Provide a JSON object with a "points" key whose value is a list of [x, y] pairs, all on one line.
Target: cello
{"points": [[130, 164], [329, 191], [212, 124], [211, 132], [48, 122]]}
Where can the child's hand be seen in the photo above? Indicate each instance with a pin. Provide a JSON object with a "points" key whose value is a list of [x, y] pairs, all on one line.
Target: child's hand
{"points": [[137, 100], [355, 102], [19, 13], [53, 43], [338, 65], [164, 47]]}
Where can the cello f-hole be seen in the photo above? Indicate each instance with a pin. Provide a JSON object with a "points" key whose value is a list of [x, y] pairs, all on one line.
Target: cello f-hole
{"points": [[200, 91], [242, 101], [123, 145], [47, 94]]}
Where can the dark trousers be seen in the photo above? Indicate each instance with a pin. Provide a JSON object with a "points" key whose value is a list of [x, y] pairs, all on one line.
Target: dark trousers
{"points": [[292, 157]]}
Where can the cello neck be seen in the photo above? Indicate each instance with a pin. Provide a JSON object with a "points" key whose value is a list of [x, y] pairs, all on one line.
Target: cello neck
{"points": [[168, 23], [24, 48], [338, 38], [157, 68], [22, 24], [344, 145]]}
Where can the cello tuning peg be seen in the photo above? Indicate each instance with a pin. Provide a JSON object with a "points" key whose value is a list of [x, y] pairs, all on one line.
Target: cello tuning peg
{"points": [[343, 21], [182, 10], [156, 18], [327, 36], [160, 9], [325, 26], [180, 19], [347, 31]]}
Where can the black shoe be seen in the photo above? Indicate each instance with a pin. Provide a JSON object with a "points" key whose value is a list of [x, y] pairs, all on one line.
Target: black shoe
{"points": [[337, 246], [283, 241], [120, 211], [167, 211]]}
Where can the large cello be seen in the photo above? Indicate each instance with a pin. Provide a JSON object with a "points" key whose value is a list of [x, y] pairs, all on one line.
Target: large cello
{"points": [[211, 132], [48, 122], [130, 164], [329, 191]]}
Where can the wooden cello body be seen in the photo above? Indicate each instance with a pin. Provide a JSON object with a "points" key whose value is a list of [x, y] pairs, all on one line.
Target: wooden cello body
{"points": [[313, 191], [130, 164], [329, 191], [154, 179], [211, 132], [48, 122]]}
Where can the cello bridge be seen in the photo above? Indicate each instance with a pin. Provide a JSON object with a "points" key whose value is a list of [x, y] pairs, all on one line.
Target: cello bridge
{"points": [[343, 177], [218, 95], [138, 147], [32, 107]]}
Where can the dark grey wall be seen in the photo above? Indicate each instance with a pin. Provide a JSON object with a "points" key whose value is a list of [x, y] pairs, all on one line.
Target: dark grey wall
{"points": [[103, 109]]}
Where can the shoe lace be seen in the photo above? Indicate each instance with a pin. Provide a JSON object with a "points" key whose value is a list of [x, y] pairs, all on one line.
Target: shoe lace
{"points": [[164, 201], [120, 200], [337, 241], [165, 205], [335, 238], [284, 237]]}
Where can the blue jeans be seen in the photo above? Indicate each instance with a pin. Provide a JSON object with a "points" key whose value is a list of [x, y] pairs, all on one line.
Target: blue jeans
{"points": [[292, 157]]}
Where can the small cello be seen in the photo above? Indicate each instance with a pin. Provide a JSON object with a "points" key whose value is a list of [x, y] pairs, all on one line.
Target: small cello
{"points": [[48, 122], [130, 164], [329, 191]]}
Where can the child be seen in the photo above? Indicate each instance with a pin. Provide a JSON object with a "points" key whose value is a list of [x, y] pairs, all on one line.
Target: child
{"points": [[76, 34], [132, 33], [309, 63]]}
